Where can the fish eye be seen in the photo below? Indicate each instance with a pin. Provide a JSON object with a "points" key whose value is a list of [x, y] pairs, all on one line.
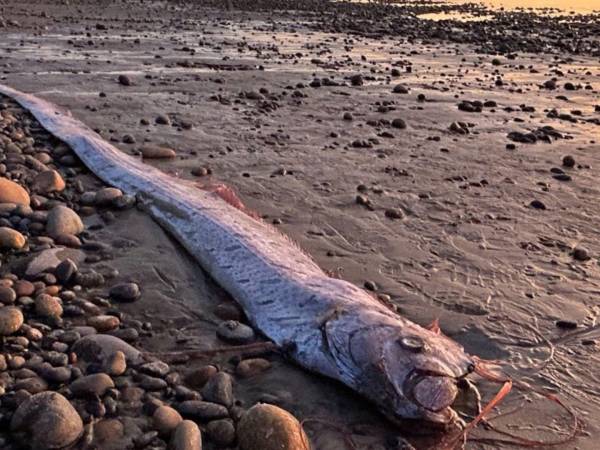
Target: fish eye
{"points": [[413, 343]]}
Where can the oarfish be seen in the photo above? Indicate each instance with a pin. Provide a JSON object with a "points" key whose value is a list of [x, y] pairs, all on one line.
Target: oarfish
{"points": [[329, 326]]}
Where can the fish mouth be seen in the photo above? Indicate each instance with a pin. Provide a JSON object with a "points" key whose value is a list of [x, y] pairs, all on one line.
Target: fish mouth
{"points": [[433, 393]]}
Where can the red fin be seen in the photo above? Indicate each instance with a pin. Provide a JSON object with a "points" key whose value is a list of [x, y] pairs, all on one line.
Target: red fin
{"points": [[434, 326], [228, 195]]}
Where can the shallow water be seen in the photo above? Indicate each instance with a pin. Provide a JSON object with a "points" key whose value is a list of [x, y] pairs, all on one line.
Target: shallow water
{"points": [[571, 6], [582, 6]]}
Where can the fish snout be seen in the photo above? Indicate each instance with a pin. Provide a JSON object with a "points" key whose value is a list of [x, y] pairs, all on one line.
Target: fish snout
{"points": [[435, 393]]}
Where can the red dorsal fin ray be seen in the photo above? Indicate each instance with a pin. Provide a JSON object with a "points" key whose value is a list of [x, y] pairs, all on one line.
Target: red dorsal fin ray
{"points": [[434, 326], [228, 195]]}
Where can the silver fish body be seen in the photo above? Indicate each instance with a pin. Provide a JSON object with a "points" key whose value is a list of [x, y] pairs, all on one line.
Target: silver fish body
{"points": [[330, 326]]}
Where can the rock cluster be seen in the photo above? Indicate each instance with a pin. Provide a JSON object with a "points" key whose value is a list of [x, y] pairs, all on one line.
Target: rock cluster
{"points": [[70, 374]]}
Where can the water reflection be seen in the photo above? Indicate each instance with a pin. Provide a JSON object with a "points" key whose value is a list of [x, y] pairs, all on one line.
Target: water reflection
{"points": [[570, 6], [583, 6]]}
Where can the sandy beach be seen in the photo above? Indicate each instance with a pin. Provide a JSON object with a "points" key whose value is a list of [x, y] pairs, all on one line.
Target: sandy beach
{"points": [[449, 167]]}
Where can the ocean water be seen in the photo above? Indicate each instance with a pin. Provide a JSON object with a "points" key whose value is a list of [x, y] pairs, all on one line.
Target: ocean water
{"points": [[570, 6], [582, 6]]}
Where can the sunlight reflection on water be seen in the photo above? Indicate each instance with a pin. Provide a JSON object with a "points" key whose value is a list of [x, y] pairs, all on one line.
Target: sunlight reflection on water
{"points": [[572, 6]]}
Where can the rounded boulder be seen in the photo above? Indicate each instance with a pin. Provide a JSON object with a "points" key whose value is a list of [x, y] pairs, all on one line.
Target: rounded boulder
{"points": [[47, 421], [269, 427]]}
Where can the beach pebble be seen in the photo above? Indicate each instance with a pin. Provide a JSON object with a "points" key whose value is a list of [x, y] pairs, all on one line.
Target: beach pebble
{"points": [[235, 332], [11, 192], [11, 239], [68, 240], [124, 80], [400, 89], [33, 384], [568, 161], [251, 367], [394, 213], [24, 288], [155, 368], [7, 295], [63, 220], [95, 384], [566, 324], [399, 123], [65, 270], [370, 285], [98, 347], [125, 292], [152, 383], [197, 378], [537, 204], [219, 389], [11, 319], [186, 436], [356, 80], [128, 139], [200, 171], [48, 181], [581, 254], [103, 323], [202, 411], [166, 419], [116, 364], [48, 306], [107, 433], [107, 196], [221, 432], [48, 421], [162, 119], [268, 427], [158, 152], [54, 374]]}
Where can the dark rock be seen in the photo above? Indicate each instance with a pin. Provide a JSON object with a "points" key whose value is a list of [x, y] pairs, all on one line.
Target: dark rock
{"points": [[124, 80], [202, 411], [219, 389], [48, 421], [221, 432], [235, 332], [186, 436], [126, 292], [95, 384]]}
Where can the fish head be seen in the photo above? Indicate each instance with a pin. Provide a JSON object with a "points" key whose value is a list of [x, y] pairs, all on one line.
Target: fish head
{"points": [[421, 370]]}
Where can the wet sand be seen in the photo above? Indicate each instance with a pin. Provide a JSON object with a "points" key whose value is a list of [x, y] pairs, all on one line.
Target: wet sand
{"points": [[466, 247]]}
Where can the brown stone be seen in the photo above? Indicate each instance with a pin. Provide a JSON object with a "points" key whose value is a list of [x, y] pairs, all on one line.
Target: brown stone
{"points": [[158, 152], [268, 427], [11, 239], [11, 319], [48, 181], [166, 419], [48, 421], [11, 192]]}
